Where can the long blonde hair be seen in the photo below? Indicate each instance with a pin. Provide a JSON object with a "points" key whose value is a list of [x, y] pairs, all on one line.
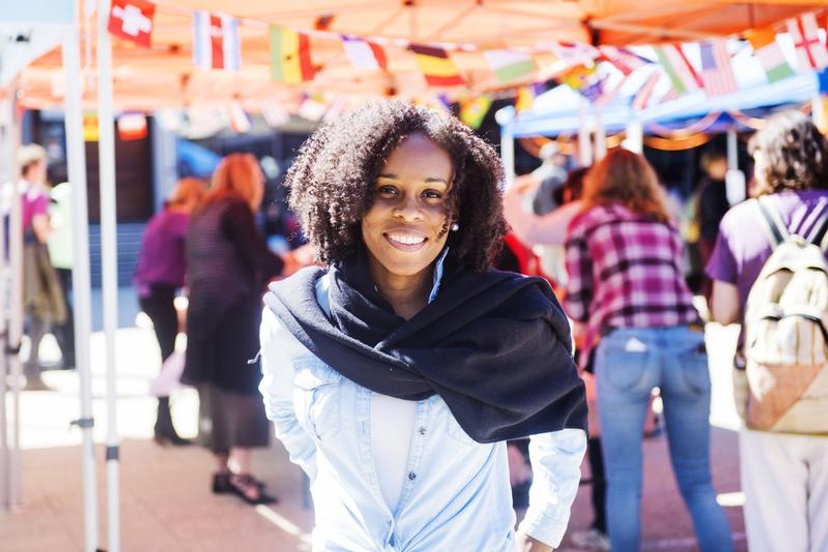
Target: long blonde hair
{"points": [[626, 178], [237, 175]]}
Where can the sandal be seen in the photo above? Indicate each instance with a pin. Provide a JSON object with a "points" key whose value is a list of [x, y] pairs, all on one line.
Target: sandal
{"points": [[221, 482], [246, 487]]}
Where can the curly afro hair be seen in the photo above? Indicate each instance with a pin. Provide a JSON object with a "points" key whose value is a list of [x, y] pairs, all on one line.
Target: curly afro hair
{"points": [[795, 155], [331, 182]]}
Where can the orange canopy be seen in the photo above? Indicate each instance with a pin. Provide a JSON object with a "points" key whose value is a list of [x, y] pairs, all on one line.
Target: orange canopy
{"points": [[164, 75]]}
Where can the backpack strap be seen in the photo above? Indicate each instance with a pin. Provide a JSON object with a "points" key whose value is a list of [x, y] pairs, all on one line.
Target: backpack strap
{"points": [[776, 230], [819, 236]]}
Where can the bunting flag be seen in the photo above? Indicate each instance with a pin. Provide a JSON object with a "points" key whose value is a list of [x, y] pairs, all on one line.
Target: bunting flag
{"points": [[132, 20], [584, 80], [290, 60], [682, 75], [769, 54], [436, 66], [717, 72], [525, 98], [240, 122], [364, 54], [509, 65], [216, 41], [575, 53], [474, 110], [623, 59], [644, 96], [811, 53]]}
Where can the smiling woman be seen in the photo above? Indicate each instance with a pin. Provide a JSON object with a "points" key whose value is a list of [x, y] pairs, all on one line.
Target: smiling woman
{"points": [[395, 376]]}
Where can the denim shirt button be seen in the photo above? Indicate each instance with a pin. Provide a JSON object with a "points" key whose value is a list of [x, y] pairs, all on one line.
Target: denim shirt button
{"points": [[422, 430], [412, 476]]}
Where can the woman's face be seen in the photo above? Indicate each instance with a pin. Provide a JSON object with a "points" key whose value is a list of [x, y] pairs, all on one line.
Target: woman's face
{"points": [[406, 227]]}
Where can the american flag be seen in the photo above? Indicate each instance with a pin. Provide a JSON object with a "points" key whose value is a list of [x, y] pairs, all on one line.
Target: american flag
{"points": [[717, 72]]}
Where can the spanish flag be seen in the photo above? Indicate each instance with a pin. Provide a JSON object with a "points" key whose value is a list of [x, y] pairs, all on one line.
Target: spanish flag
{"points": [[290, 56], [436, 66]]}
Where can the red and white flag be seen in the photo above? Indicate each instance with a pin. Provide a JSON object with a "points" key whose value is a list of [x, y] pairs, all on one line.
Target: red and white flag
{"points": [[216, 41], [717, 72], [132, 20], [811, 53], [623, 59], [364, 54]]}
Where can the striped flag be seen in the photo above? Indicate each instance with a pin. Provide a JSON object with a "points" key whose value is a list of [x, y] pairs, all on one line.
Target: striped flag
{"points": [[290, 60], [717, 72], [509, 65], [811, 53], [364, 54], [216, 42], [623, 59], [769, 54], [239, 120], [436, 65], [644, 96], [678, 68]]}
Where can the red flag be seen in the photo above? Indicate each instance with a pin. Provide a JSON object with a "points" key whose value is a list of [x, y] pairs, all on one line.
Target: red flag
{"points": [[132, 20]]}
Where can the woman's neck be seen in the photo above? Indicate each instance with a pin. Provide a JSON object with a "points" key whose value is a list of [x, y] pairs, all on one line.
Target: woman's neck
{"points": [[405, 295]]}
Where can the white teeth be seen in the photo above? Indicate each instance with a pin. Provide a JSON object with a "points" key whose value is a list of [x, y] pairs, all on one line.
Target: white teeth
{"points": [[407, 240]]}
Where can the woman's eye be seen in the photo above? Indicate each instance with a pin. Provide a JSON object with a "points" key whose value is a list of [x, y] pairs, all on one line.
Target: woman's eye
{"points": [[387, 191], [432, 194]]}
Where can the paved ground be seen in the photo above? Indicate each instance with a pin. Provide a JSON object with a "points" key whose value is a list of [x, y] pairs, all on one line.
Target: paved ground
{"points": [[165, 503]]}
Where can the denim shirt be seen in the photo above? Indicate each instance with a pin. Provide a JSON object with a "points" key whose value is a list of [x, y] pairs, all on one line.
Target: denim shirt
{"points": [[456, 495]]}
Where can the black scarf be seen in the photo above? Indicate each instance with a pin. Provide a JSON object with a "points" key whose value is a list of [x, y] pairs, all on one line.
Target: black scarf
{"points": [[495, 346]]}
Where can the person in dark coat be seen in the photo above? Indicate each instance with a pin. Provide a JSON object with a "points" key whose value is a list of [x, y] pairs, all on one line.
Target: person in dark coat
{"points": [[228, 265]]}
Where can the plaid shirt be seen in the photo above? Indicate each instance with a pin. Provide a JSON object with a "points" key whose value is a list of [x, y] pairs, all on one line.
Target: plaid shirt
{"points": [[625, 271]]}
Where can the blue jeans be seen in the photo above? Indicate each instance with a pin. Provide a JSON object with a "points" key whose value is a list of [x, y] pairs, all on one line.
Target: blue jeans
{"points": [[629, 363]]}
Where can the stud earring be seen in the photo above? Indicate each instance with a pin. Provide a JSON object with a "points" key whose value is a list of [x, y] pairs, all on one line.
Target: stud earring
{"points": [[455, 227]]}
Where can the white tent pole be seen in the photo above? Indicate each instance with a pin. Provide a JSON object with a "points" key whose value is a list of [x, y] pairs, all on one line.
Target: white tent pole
{"points": [[109, 265], [6, 178], [635, 136], [80, 278], [15, 327], [600, 136], [10, 413], [732, 149], [584, 145]]}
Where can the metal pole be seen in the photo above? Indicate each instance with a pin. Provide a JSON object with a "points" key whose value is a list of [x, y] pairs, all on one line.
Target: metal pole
{"points": [[584, 140], [14, 331], [504, 118], [6, 179], [109, 265], [80, 279], [9, 414]]}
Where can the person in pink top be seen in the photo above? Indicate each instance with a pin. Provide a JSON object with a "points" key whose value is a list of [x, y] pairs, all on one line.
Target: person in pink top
{"points": [[43, 301]]}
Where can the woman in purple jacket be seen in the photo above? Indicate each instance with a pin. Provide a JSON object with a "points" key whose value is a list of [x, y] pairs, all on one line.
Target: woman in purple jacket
{"points": [[158, 277]]}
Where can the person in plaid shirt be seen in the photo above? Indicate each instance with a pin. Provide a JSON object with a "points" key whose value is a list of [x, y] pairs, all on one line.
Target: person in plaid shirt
{"points": [[623, 256]]}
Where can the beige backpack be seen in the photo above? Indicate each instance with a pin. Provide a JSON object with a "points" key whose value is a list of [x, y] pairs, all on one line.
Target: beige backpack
{"points": [[784, 384]]}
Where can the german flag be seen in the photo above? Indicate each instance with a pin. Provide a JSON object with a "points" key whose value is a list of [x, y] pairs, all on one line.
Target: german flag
{"points": [[290, 56], [436, 66]]}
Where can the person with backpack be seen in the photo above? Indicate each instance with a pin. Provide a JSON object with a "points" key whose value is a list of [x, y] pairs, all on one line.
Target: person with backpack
{"points": [[769, 273]]}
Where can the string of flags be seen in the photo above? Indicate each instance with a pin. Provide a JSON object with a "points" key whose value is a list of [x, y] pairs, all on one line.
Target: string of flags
{"points": [[217, 45]]}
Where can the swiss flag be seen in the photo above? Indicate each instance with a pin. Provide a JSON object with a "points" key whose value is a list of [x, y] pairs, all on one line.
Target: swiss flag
{"points": [[132, 20]]}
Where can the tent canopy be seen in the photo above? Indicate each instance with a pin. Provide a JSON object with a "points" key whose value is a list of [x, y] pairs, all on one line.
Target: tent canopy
{"points": [[164, 75]]}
